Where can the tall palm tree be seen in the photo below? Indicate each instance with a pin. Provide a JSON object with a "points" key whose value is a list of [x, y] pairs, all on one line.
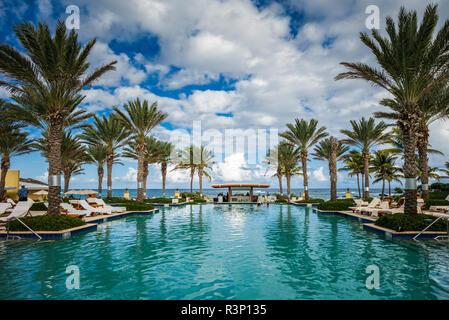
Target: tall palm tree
{"points": [[304, 135], [413, 62], [433, 106], [331, 150], [163, 157], [354, 164], [393, 174], [97, 155], [382, 163], [13, 142], [365, 135], [205, 162], [289, 157], [272, 160], [46, 83], [109, 132], [139, 119]]}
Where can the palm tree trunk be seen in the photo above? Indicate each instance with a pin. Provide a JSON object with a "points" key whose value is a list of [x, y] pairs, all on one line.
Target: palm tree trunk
{"points": [[288, 178], [54, 166], [140, 173], [100, 179], [304, 173], [383, 189], [164, 176], [358, 185], [67, 176], [409, 125], [389, 188], [280, 183], [333, 168], [366, 157], [363, 182], [192, 173], [200, 177], [145, 177], [109, 162], [423, 142], [5, 164]]}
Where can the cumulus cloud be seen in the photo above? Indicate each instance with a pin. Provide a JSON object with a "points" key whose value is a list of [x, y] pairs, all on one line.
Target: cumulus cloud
{"points": [[319, 175]]}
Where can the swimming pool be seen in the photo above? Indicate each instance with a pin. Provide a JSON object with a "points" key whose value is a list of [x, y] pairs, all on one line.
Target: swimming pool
{"points": [[225, 252]]}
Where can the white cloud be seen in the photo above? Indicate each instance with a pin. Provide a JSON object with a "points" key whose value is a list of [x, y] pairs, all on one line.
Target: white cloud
{"points": [[319, 175]]}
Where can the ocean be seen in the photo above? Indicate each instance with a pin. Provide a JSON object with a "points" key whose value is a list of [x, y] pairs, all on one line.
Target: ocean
{"points": [[322, 193]]}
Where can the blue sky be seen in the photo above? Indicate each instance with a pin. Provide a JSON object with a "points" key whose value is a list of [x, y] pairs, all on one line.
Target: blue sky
{"points": [[230, 64]]}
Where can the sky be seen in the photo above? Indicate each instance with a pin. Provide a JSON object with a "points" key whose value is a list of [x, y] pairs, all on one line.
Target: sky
{"points": [[247, 66]]}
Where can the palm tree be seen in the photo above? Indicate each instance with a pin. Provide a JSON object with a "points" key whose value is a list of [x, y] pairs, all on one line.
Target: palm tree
{"points": [[186, 161], [445, 170], [163, 156], [433, 106], [354, 164], [109, 132], [366, 134], [304, 135], [331, 150], [73, 154], [139, 120], [272, 160], [46, 83], [97, 155], [289, 157], [205, 162], [382, 164], [13, 142], [413, 62]]}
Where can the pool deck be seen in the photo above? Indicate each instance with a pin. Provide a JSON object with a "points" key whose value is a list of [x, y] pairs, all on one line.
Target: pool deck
{"points": [[91, 225]]}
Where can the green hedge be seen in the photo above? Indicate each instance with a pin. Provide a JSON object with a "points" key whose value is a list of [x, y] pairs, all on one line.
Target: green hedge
{"points": [[38, 206], [116, 200], [340, 204], [191, 195], [409, 222], [46, 223], [438, 195], [136, 206], [280, 201], [434, 202], [163, 200], [198, 201], [440, 186], [310, 201]]}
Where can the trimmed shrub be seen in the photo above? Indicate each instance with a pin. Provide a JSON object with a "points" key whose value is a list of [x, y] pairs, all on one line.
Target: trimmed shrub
{"points": [[438, 195], [116, 200], [191, 195], [280, 196], [409, 222], [198, 201], [38, 206], [280, 201], [163, 200], [310, 201], [46, 223], [434, 202], [137, 206], [340, 204]]}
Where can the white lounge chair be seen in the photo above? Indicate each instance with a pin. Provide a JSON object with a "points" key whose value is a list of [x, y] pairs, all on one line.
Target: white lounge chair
{"points": [[359, 203], [86, 206], [439, 208], [102, 203], [72, 211], [21, 210], [374, 203], [4, 207], [373, 211]]}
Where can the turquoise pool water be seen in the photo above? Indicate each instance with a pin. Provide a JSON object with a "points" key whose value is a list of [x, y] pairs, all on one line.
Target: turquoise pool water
{"points": [[225, 252]]}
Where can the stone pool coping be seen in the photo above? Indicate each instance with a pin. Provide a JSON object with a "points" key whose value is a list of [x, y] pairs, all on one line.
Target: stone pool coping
{"points": [[92, 224]]}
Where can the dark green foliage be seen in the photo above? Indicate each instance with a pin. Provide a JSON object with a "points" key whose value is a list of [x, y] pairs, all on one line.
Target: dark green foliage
{"points": [[46, 223], [164, 200], [198, 201], [137, 206], [435, 202], [438, 186], [439, 195], [340, 204], [280, 201], [410, 222], [191, 195], [38, 206], [398, 190], [310, 200]]}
